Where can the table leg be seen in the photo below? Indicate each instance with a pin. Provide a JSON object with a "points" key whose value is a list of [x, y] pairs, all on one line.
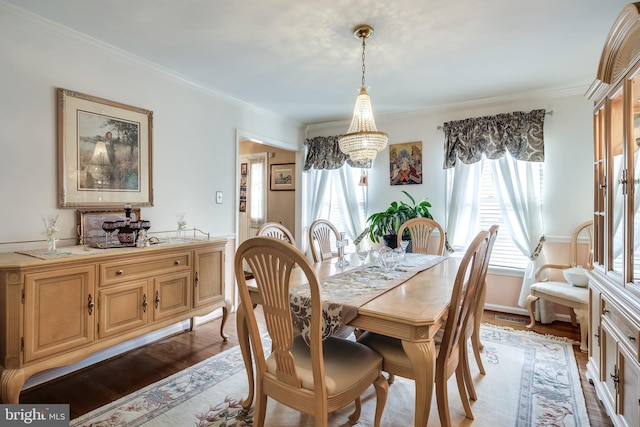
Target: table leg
{"points": [[245, 348], [423, 360]]}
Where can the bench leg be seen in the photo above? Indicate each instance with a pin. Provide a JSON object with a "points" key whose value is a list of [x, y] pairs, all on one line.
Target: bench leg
{"points": [[584, 328], [531, 299]]}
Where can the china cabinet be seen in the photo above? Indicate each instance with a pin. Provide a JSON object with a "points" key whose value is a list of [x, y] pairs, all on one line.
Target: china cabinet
{"points": [[59, 310], [614, 286]]}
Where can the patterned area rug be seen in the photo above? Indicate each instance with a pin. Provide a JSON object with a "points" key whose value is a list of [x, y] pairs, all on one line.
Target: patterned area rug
{"points": [[531, 380]]}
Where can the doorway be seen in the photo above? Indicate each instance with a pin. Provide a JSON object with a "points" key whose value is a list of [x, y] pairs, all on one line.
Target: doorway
{"points": [[258, 203]]}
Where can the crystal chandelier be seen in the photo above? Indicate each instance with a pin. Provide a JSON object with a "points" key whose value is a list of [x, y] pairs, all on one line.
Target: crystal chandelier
{"points": [[362, 140]]}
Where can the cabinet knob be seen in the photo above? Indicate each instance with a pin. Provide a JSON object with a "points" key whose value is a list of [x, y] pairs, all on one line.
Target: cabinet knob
{"points": [[157, 300], [631, 337], [178, 262], [144, 303], [120, 272]]}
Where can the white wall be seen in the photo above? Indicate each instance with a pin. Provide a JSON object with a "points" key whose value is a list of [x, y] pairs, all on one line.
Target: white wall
{"points": [[194, 136], [568, 135]]}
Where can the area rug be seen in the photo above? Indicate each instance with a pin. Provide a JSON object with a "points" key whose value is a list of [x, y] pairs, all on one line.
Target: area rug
{"points": [[531, 380]]}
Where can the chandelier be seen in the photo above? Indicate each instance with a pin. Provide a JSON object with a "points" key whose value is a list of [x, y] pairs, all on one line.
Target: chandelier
{"points": [[362, 140]]}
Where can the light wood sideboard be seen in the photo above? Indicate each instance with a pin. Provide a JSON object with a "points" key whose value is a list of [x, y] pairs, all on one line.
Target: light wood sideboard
{"points": [[58, 311]]}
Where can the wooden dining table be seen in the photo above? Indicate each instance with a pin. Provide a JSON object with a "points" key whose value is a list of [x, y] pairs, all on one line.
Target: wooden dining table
{"points": [[413, 311]]}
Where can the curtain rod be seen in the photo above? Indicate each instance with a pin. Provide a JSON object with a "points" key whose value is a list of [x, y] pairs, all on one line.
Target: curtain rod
{"points": [[440, 127]]}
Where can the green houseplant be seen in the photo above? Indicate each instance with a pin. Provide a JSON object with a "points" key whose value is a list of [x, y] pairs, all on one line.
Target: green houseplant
{"points": [[385, 224]]}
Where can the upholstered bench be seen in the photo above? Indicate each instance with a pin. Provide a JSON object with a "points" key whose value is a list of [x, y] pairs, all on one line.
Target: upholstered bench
{"points": [[577, 298]]}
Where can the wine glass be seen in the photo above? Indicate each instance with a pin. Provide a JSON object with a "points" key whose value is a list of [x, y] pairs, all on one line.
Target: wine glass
{"points": [[363, 252], [405, 245]]}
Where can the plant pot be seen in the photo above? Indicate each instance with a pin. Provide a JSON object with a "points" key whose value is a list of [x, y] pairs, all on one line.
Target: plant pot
{"points": [[390, 240]]}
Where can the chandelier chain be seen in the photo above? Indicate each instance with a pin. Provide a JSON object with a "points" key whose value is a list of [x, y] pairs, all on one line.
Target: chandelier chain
{"points": [[363, 68]]}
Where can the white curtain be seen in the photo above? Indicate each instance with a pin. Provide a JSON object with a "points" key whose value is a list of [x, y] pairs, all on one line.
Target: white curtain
{"points": [[521, 207], [464, 190]]}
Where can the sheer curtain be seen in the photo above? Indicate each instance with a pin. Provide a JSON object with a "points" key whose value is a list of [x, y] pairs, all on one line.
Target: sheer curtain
{"points": [[329, 171], [513, 141]]}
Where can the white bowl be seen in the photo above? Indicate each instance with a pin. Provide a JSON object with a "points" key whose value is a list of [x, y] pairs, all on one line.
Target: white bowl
{"points": [[577, 276]]}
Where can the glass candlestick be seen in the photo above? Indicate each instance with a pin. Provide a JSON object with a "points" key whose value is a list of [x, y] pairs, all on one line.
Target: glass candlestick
{"points": [[342, 261], [50, 230], [182, 225]]}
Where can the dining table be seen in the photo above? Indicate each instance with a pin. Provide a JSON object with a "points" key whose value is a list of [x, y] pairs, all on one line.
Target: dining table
{"points": [[413, 308]]}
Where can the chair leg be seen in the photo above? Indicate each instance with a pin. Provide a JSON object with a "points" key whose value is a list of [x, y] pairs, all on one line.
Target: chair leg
{"points": [[442, 399], [460, 379], [466, 370], [477, 347], [260, 410], [531, 299], [355, 416], [382, 390]]}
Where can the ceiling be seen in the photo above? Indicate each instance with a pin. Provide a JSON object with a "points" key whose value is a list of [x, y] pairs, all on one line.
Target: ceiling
{"points": [[300, 59]]}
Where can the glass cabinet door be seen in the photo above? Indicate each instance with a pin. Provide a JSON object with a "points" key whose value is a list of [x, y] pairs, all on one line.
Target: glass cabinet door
{"points": [[634, 188], [617, 168], [599, 190]]}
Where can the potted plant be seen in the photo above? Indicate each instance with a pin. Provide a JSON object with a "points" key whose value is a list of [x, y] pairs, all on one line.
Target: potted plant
{"points": [[385, 224]]}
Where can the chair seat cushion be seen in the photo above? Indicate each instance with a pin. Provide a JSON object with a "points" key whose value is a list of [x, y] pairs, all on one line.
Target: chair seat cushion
{"points": [[390, 348], [340, 358], [562, 290]]}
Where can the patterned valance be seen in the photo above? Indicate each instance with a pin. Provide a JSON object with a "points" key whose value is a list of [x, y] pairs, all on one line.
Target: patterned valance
{"points": [[520, 133], [323, 152]]}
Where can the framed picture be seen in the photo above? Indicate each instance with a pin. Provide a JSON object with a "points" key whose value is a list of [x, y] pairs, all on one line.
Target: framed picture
{"points": [[104, 152], [405, 163], [90, 223], [283, 177]]}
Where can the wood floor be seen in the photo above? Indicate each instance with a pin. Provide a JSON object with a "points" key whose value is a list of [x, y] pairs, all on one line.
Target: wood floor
{"points": [[107, 381]]}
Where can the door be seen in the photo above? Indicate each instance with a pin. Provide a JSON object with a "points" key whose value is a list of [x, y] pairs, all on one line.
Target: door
{"points": [[255, 190]]}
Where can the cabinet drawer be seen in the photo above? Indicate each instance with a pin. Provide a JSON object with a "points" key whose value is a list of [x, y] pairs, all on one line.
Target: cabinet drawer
{"points": [[120, 271], [628, 332]]}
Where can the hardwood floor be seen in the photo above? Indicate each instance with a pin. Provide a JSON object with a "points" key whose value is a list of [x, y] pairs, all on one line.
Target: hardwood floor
{"points": [[107, 381]]}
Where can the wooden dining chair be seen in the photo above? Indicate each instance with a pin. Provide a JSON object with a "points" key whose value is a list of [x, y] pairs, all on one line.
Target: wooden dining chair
{"points": [[464, 293], [320, 233], [421, 232], [277, 231], [318, 378], [473, 327]]}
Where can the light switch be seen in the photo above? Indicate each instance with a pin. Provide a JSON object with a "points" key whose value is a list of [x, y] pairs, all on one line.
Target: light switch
{"points": [[218, 197]]}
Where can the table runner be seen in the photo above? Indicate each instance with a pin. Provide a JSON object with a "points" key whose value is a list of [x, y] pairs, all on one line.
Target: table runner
{"points": [[342, 294]]}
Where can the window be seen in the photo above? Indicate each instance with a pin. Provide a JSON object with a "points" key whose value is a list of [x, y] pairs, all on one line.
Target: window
{"points": [[488, 211], [335, 207]]}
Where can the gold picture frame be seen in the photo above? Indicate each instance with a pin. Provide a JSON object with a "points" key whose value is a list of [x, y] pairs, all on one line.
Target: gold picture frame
{"points": [[104, 152], [90, 223], [405, 163], [283, 177]]}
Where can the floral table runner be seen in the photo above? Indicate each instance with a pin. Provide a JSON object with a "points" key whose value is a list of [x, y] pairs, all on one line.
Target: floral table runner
{"points": [[343, 293]]}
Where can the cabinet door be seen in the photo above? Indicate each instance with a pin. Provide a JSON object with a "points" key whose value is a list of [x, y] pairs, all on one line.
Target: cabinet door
{"points": [[123, 308], [608, 363], [171, 295], [59, 312], [209, 276], [629, 386], [595, 309]]}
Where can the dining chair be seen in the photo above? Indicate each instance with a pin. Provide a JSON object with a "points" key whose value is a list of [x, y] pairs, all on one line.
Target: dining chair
{"points": [[573, 292], [472, 330], [421, 232], [316, 378], [277, 231], [320, 233], [464, 293]]}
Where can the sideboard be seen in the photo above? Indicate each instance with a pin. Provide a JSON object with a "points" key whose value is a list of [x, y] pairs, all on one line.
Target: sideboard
{"points": [[58, 309]]}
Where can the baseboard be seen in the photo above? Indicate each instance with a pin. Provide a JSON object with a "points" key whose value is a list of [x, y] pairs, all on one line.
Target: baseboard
{"points": [[521, 311]]}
